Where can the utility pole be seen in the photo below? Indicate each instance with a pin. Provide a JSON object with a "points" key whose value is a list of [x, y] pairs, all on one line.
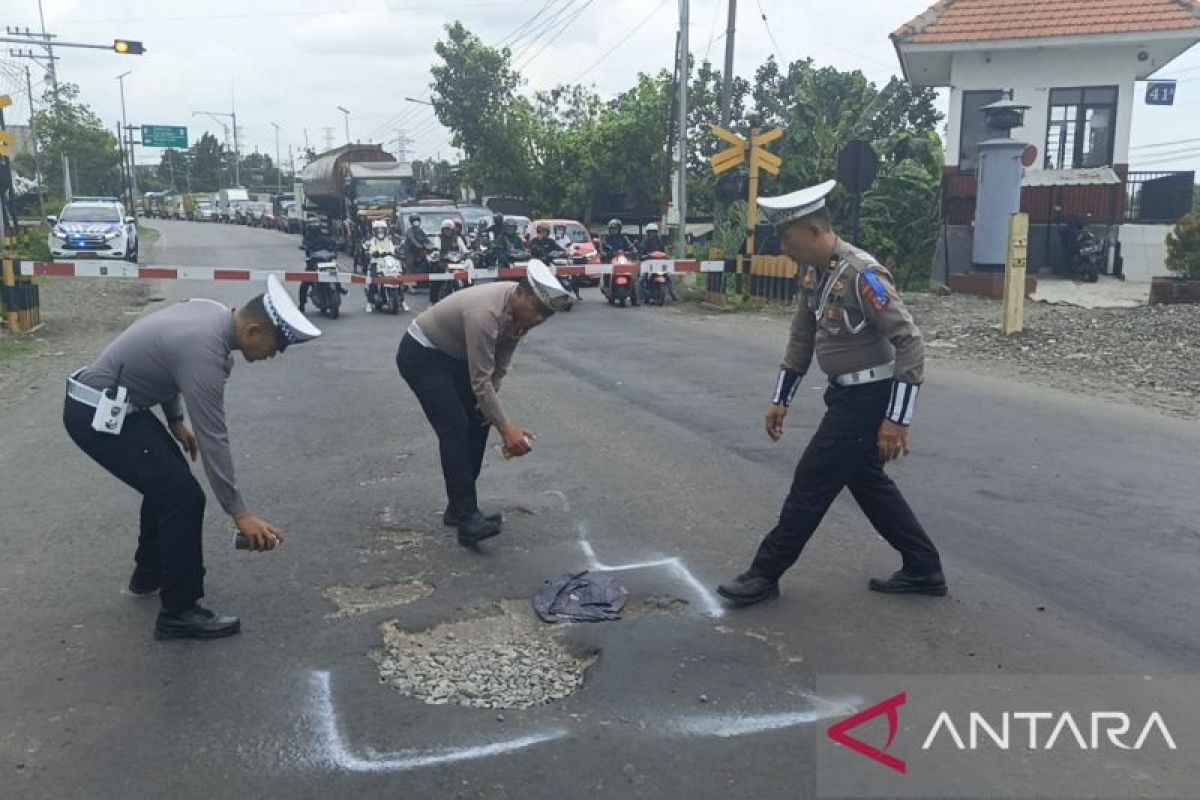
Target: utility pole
{"points": [[683, 132], [278, 163], [37, 155], [727, 78], [49, 54], [402, 142], [346, 119], [237, 175], [328, 136]]}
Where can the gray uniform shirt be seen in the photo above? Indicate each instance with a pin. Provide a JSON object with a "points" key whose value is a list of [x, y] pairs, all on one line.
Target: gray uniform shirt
{"points": [[852, 317], [476, 325], [182, 351]]}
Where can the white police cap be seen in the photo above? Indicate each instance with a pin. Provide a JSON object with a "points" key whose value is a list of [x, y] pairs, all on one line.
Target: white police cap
{"points": [[291, 325], [787, 207], [545, 286]]}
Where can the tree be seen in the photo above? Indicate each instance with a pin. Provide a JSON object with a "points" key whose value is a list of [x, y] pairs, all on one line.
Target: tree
{"points": [[475, 97], [67, 125], [1183, 248]]}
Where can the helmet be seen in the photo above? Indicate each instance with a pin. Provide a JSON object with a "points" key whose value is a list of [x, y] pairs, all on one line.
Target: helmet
{"points": [[414, 219], [447, 224], [483, 225], [379, 228], [614, 223], [498, 220], [652, 228]]}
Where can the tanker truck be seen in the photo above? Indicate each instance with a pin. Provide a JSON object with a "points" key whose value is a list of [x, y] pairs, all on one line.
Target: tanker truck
{"points": [[351, 186]]}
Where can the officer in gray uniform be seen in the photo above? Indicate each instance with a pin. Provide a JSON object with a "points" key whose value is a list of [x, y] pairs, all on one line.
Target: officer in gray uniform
{"points": [[852, 318], [180, 355], [454, 357]]}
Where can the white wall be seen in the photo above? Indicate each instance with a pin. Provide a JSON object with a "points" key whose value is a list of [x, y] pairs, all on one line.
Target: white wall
{"points": [[1031, 74], [1144, 248]]}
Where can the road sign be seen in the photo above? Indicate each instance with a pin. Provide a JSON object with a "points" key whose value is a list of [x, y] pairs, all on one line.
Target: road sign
{"points": [[729, 136], [727, 159], [1160, 93], [767, 161], [858, 165], [768, 137], [164, 136], [8, 141], [5, 101]]}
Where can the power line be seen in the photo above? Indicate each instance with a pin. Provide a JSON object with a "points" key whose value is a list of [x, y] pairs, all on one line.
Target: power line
{"points": [[513, 35], [712, 30], [306, 13], [1164, 144], [770, 35], [622, 40], [554, 36], [538, 31]]}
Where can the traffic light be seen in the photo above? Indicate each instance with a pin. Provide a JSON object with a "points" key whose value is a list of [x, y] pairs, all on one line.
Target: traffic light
{"points": [[128, 47], [7, 141]]}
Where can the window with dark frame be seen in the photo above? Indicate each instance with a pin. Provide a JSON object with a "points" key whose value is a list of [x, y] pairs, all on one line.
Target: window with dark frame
{"points": [[974, 127], [1082, 129]]}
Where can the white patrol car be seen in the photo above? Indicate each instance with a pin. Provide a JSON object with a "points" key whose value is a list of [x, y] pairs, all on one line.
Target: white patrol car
{"points": [[95, 227]]}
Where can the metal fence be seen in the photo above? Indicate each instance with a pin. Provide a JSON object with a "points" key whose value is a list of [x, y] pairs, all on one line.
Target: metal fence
{"points": [[1159, 197]]}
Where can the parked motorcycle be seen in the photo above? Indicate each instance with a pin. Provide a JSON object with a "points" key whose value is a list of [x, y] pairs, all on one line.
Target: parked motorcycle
{"points": [[620, 288], [387, 296], [326, 295], [1085, 251]]}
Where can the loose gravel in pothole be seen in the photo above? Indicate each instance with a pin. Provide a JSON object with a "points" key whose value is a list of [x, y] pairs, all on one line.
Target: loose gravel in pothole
{"points": [[505, 659], [353, 600]]}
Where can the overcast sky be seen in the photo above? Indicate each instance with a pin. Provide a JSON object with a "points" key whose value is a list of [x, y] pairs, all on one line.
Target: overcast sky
{"points": [[293, 62]]}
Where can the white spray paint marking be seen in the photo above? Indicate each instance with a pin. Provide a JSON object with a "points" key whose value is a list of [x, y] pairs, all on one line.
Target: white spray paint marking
{"points": [[566, 504], [712, 607], [730, 725], [334, 750]]}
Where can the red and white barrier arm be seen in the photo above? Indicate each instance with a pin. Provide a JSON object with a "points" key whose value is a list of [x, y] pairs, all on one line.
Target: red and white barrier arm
{"points": [[93, 268]]}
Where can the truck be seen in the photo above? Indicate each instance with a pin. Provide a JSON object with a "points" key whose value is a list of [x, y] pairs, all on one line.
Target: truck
{"points": [[228, 201], [351, 186]]}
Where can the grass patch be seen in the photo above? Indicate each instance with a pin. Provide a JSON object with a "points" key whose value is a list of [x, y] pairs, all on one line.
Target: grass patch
{"points": [[14, 348], [35, 249], [147, 235]]}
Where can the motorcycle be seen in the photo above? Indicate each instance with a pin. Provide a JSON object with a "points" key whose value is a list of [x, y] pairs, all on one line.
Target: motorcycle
{"points": [[326, 295], [1085, 251], [458, 262], [389, 296], [654, 284], [620, 286]]}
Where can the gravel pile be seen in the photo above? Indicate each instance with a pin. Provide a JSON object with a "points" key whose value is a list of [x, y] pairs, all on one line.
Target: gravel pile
{"points": [[506, 660], [1149, 353]]}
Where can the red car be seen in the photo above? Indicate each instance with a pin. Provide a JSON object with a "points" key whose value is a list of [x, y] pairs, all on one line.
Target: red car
{"points": [[574, 238]]}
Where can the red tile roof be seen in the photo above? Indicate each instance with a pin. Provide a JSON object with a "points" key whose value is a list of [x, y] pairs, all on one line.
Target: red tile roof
{"points": [[990, 20]]}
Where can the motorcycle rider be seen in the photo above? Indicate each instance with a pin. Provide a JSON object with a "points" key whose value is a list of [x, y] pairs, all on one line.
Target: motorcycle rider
{"points": [[379, 246], [506, 245], [615, 241], [449, 241], [416, 245], [653, 243], [545, 249], [315, 239]]}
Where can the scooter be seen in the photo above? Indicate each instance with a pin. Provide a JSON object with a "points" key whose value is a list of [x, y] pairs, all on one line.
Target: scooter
{"points": [[654, 284], [458, 262], [620, 286], [386, 296], [325, 295]]}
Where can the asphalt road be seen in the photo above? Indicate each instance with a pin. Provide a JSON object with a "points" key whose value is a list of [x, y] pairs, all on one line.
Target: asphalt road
{"points": [[1068, 528]]}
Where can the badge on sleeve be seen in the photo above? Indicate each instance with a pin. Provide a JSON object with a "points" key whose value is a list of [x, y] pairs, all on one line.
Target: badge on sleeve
{"points": [[810, 278], [874, 291]]}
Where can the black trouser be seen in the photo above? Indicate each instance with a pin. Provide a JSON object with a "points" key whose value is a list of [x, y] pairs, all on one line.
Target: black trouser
{"points": [[437, 289], [443, 386], [146, 457], [844, 453]]}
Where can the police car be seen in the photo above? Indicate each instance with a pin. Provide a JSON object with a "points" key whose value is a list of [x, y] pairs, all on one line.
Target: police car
{"points": [[93, 227]]}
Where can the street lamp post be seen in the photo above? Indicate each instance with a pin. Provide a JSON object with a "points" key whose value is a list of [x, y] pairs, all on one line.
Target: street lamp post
{"points": [[346, 118], [237, 174], [132, 165]]}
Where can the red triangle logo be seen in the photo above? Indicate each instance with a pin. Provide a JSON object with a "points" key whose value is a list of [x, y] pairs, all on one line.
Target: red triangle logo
{"points": [[838, 732]]}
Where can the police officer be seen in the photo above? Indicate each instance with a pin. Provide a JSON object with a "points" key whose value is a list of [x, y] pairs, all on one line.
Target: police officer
{"points": [[180, 355], [852, 318], [454, 357]]}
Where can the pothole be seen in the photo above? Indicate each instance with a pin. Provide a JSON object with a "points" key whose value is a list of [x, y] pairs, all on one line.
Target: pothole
{"points": [[504, 659], [354, 600], [653, 604]]}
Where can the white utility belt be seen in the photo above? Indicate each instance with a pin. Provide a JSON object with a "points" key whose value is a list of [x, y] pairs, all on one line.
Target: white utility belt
{"points": [[872, 375], [414, 330], [110, 412]]}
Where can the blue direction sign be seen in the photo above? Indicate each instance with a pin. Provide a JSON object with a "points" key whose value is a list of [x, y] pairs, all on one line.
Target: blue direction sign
{"points": [[1160, 93], [164, 136]]}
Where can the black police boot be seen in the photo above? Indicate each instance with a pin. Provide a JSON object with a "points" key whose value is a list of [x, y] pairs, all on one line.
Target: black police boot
{"points": [[475, 528], [902, 582], [748, 589], [195, 623], [144, 583], [452, 520]]}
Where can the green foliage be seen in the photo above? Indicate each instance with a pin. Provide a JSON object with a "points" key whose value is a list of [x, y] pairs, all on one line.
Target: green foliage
{"points": [[1183, 247], [66, 125]]}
